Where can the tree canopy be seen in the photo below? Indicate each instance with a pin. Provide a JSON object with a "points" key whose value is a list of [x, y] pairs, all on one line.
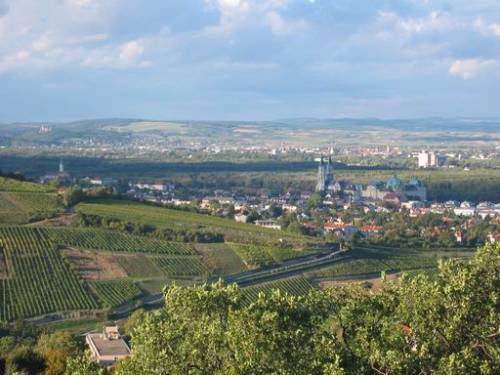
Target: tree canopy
{"points": [[445, 323]]}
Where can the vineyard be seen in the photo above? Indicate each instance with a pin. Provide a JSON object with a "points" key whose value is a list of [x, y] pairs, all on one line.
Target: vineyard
{"points": [[8, 184], [38, 280], [98, 239], [115, 293], [37, 202], [263, 256], [21, 202], [296, 286], [9, 212], [181, 267], [282, 254], [170, 218], [373, 260], [138, 266], [254, 256], [221, 258]]}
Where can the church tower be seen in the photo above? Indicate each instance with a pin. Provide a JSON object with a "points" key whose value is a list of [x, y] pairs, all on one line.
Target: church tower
{"points": [[322, 175], [326, 177]]}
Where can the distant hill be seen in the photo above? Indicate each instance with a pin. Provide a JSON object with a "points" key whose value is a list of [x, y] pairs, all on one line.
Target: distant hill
{"points": [[123, 130]]}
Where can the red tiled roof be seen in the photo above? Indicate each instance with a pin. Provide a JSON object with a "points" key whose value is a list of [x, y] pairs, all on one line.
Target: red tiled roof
{"points": [[372, 228], [335, 226]]}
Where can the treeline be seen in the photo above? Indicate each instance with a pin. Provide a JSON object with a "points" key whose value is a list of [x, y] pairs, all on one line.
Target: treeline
{"points": [[446, 324], [474, 189], [13, 175], [169, 234], [82, 166]]}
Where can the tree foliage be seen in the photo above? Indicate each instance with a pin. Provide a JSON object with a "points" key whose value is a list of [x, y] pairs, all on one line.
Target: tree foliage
{"points": [[448, 324]]}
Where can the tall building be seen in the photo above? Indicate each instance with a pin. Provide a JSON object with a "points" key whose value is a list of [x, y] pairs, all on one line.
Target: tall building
{"points": [[326, 177], [61, 166], [427, 159]]}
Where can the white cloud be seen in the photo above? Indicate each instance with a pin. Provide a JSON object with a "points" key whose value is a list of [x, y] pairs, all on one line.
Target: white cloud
{"points": [[470, 68], [42, 44], [126, 55], [81, 3], [131, 51], [238, 14], [12, 61], [487, 29], [280, 26], [433, 22]]}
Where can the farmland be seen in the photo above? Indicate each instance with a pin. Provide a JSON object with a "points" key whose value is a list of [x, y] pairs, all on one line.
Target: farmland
{"points": [[128, 211], [21, 202], [363, 261], [138, 266], [38, 281], [115, 293], [8, 184], [94, 265], [254, 256], [181, 267], [296, 286], [221, 259], [98, 239]]}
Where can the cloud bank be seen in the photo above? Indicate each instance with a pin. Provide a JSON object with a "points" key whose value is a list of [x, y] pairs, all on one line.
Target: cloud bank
{"points": [[247, 59]]}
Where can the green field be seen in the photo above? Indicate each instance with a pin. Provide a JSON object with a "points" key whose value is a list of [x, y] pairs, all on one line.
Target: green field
{"points": [[181, 267], [221, 258], [8, 184], [115, 293], [253, 256], [296, 286], [100, 239], [363, 261], [233, 231], [154, 286], [139, 266], [21, 202], [38, 279]]}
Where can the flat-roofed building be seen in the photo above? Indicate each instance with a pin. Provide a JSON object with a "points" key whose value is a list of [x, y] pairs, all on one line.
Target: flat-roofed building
{"points": [[108, 347]]}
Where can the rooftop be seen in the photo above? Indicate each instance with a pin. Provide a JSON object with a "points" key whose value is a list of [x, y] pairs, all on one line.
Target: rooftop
{"points": [[109, 347]]}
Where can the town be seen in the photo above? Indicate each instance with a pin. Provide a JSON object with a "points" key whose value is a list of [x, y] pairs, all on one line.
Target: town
{"points": [[339, 210]]}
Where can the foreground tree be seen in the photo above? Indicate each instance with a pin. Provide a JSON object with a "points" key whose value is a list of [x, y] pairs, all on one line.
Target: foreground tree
{"points": [[446, 324], [55, 348]]}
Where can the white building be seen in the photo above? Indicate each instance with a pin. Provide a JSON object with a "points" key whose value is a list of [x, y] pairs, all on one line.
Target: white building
{"points": [[465, 209], [271, 224], [108, 347], [427, 159], [241, 218]]}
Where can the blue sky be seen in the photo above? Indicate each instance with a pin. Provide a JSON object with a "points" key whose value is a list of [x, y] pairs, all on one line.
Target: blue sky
{"points": [[248, 59]]}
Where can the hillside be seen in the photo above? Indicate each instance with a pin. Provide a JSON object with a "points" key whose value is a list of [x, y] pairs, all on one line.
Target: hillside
{"points": [[22, 202], [305, 131], [126, 252], [164, 218]]}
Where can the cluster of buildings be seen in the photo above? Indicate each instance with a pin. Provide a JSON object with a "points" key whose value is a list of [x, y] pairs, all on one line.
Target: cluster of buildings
{"points": [[393, 190], [61, 177], [483, 209]]}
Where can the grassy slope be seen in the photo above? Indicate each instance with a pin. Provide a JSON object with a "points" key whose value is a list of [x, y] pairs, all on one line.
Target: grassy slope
{"points": [[374, 260], [20, 200], [169, 218]]}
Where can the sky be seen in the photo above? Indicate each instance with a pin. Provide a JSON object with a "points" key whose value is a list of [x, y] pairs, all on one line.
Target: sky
{"points": [[64, 60]]}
